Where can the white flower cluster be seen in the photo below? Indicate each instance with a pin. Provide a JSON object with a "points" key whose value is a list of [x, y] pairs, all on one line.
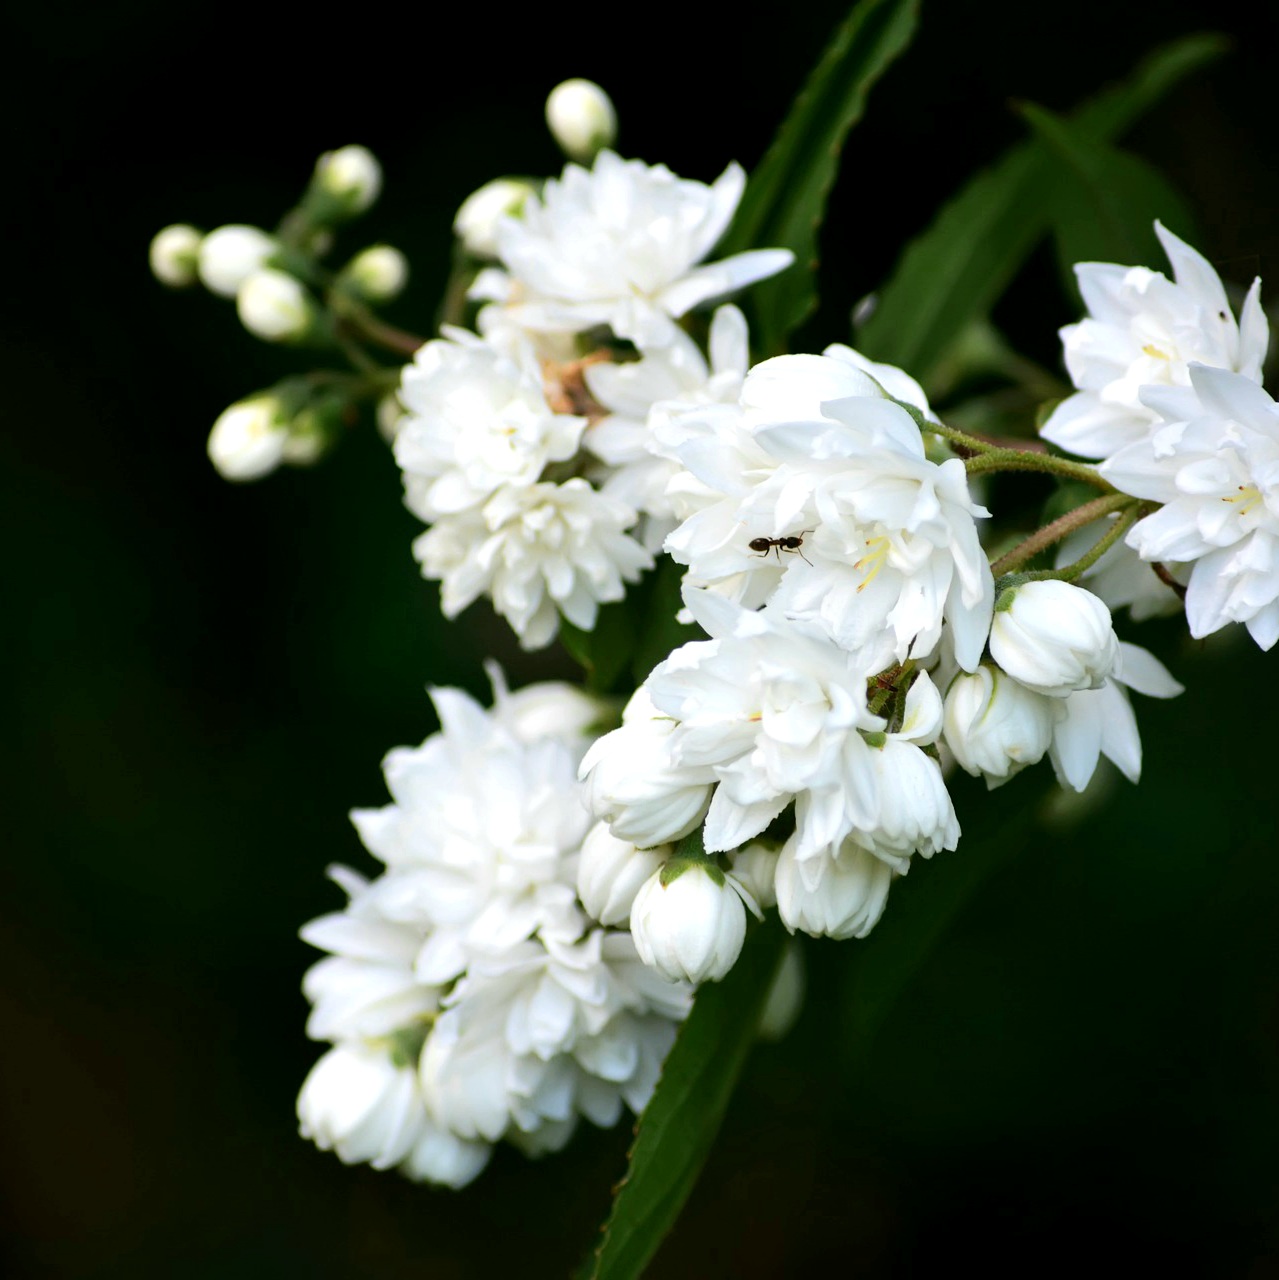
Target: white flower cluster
{"points": [[834, 566], [1170, 401], [527, 446], [467, 996]]}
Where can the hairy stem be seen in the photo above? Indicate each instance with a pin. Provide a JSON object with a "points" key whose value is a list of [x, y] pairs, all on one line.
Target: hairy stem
{"points": [[997, 459], [1062, 527]]}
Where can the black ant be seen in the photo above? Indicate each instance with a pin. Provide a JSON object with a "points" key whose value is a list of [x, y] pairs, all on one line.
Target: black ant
{"points": [[791, 543]]}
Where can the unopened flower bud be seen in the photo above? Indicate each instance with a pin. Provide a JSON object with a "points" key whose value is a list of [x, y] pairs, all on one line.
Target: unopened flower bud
{"points": [[249, 439], [690, 928], [840, 895], [786, 995], [1053, 637], [358, 1103], [611, 872], [351, 176], [377, 274], [175, 255], [443, 1157], [390, 415], [755, 868], [995, 726], [229, 255], [477, 220], [275, 306], [581, 118]]}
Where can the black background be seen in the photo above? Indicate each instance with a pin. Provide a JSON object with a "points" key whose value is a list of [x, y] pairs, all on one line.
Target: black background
{"points": [[204, 677]]}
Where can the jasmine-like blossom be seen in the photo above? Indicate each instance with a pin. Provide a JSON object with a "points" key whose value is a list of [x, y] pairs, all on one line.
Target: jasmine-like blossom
{"points": [[1213, 462], [1053, 637], [1144, 330], [640, 397], [619, 245], [886, 547], [995, 726], [538, 551], [689, 921]]}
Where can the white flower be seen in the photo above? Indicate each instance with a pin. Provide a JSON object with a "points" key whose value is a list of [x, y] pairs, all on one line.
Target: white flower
{"points": [[581, 119], [642, 395], [1053, 637], [250, 439], [482, 838], [774, 709], [1100, 721], [996, 726], [274, 306], [689, 922], [378, 273], [647, 797], [841, 893], [611, 872], [477, 220], [1214, 464], [820, 499], [366, 988], [545, 1033], [1144, 330], [360, 1103], [539, 551], [547, 709], [619, 245], [175, 255], [476, 420], [229, 255], [352, 175]]}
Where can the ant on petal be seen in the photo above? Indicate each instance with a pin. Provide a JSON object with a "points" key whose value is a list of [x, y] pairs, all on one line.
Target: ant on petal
{"points": [[791, 543]]}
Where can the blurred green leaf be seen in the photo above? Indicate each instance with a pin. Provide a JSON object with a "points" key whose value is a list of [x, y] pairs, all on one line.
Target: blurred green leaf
{"points": [[785, 199], [1106, 200], [961, 265], [674, 1135]]}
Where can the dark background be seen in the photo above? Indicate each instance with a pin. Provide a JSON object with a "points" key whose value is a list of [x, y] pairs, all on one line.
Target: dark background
{"points": [[203, 678]]}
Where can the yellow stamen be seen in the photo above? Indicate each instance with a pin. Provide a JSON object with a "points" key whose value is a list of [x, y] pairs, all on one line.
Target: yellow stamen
{"points": [[876, 553], [1249, 495], [1151, 350]]}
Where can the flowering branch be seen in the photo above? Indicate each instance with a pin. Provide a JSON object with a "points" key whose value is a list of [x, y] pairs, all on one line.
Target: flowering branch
{"points": [[996, 459]]}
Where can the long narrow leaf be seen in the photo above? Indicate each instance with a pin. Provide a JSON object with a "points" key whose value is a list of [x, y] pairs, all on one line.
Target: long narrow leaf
{"points": [[785, 199], [675, 1133], [1106, 199], [960, 266]]}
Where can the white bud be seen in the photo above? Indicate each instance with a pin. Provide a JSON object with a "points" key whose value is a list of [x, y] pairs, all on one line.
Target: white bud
{"points": [[357, 1102], [755, 868], [477, 220], [175, 255], [443, 1157], [1053, 637], [229, 255], [350, 174], [996, 726], [691, 929], [840, 895], [378, 274], [611, 872], [274, 306], [249, 439], [786, 995], [635, 786], [581, 118], [390, 415]]}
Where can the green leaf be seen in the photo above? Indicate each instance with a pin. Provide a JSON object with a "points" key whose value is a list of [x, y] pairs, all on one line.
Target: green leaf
{"points": [[675, 1133], [658, 631], [785, 199], [960, 266], [1106, 200], [605, 651]]}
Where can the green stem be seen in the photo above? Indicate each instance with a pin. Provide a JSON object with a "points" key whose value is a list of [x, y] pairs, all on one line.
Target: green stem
{"points": [[1068, 573], [1062, 527], [997, 459], [968, 447]]}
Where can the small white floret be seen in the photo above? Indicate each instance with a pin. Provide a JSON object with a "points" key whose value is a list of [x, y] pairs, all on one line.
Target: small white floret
{"points": [[230, 254], [350, 174], [1054, 637], [690, 928], [581, 118], [378, 273], [477, 220], [175, 255], [274, 306], [249, 439]]}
